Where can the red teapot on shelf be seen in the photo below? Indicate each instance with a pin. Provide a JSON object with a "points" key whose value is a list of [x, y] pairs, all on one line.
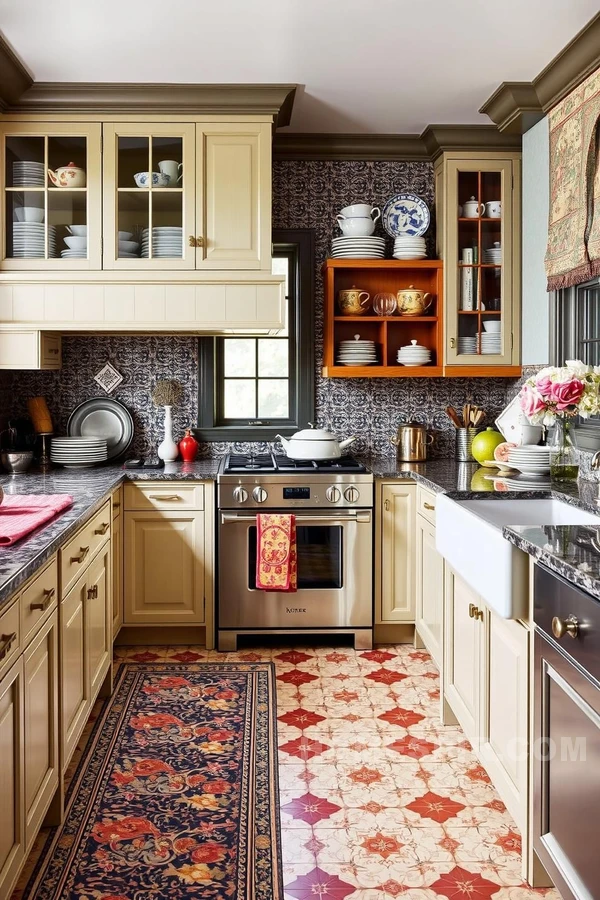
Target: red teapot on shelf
{"points": [[188, 447]]}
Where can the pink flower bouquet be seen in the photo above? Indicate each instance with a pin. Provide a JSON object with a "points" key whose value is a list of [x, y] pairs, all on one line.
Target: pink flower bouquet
{"points": [[560, 391]]}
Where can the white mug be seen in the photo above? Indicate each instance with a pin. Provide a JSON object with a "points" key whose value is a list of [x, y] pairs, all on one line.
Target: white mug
{"points": [[493, 209], [360, 210], [172, 170], [356, 226]]}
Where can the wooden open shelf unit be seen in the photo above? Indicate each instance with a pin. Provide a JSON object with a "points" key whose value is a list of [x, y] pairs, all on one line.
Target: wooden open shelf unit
{"points": [[388, 332]]}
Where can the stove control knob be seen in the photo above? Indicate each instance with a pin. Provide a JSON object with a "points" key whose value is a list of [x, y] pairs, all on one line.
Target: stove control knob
{"points": [[240, 494], [352, 494], [333, 494], [259, 494]]}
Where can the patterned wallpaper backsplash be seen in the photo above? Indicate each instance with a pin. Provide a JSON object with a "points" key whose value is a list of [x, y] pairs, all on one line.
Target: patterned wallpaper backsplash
{"points": [[306, 195]]}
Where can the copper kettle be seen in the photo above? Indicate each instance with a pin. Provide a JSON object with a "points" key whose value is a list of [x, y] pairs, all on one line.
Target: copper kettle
{"points": [[411, 442]]}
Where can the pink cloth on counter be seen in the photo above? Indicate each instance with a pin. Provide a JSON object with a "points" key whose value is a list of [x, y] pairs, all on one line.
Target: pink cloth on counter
{"points": [[22, 513]]}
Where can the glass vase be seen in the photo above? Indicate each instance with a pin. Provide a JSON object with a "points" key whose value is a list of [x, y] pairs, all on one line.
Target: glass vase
{"points": [[564, 458]]}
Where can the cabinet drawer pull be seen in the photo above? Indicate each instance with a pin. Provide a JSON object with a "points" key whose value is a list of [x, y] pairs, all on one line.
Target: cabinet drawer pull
{"points": [[116, 505], [387, 504], [93, 592], [165, 497], [52, 350], [429, 506], [45, 603], [6, 642], [83, 552], [475, 612], [103, 528]]}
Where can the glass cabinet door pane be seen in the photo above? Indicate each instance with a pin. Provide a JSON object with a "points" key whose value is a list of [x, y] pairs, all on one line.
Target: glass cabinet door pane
{"points": [[133, 158], [25, 162]]}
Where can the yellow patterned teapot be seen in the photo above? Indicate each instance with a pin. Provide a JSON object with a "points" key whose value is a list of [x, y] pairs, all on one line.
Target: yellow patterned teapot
{"points": [[353, 302], [413, 302]]}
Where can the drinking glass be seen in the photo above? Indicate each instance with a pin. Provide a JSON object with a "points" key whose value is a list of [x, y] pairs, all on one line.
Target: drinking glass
{"points": [[385, 304]]}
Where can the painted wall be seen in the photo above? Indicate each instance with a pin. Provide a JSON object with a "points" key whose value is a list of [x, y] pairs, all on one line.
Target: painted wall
{"points": [[536, 198], [306, 195]]}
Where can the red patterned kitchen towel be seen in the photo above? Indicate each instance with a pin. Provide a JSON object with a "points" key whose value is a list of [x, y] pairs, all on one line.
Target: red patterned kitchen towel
{"points": [[22, 513], [277, 554]]}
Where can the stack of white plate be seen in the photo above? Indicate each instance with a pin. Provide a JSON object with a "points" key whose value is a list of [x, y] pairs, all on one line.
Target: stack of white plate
{"points": [[76, 246], [414, 354], [348, 247], [530, 459], [27, 173], [494, 254], [491, 344], [78, 452], [408, 247], [357, 352], [29, 240], [167, 242]]}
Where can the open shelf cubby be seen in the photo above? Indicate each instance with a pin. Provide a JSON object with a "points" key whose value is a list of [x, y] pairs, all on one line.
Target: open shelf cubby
{"points": [[388, 332]]}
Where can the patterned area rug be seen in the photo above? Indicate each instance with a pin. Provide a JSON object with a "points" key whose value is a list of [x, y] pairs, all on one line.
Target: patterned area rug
{"points": [[176, 794]]}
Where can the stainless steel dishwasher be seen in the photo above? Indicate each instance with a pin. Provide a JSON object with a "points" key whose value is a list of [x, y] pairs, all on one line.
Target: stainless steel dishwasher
{"points": [[567, 735]]}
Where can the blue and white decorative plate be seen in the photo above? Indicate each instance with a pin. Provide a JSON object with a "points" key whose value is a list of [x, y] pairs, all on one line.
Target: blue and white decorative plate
{"points": [[406, 214]]}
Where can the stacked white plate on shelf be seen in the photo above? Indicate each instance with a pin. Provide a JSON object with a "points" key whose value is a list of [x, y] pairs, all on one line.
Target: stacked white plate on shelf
{"points": [[348, 247], [357, 352], [29, 240], [28, 173], [493, 254], [78, 452], [408, 247], [491, 344], [167, 241], [530, 459], [414, 354]]}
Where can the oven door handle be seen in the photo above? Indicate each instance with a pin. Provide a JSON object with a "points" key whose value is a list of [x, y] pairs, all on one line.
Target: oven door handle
{"points": [[233, 518]]}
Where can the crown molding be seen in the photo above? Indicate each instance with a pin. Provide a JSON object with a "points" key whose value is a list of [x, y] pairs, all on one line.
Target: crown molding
{"points": [[517, 105], [15, 78], [296, 145], [227, 99], [440, 139]]}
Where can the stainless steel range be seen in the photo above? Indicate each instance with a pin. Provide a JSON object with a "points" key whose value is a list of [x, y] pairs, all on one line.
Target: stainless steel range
{"points": [[333, 504]]}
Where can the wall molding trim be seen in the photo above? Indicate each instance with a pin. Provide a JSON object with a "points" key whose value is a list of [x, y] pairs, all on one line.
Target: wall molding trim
{"points": [[406, 147], [518, 105], [15, 79]]}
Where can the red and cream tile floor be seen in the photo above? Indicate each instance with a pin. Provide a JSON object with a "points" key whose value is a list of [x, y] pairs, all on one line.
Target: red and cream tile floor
{"points": [[378, 800]]}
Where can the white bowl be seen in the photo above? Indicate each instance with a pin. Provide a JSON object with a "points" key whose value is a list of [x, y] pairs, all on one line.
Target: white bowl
{"points": [[362, 226], [357, 209], [76, 243], [158, 179], [29, 214], [128, 246], [77, 230], [123, 235]]}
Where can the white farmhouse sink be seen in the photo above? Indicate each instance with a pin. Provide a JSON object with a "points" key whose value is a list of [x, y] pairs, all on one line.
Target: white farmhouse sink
{"points": [[469, 537]]}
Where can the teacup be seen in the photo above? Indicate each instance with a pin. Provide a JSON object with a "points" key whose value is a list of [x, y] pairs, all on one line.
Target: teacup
{"points": [[471, 209], [493, 209], [172, 170], [353, 301], [360, 210], [356, 226]]}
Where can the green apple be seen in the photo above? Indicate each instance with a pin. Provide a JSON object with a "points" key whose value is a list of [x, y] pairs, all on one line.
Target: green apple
{"points": [[485, 443]]}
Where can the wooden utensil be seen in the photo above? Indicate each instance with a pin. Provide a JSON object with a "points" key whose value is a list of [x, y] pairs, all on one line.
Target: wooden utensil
{"points": [[466, 415], [453, 416], [478, 418], [40, 415]]}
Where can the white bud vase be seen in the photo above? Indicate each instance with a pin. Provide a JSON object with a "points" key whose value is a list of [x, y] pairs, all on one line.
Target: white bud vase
{"points": [[168, 450]]}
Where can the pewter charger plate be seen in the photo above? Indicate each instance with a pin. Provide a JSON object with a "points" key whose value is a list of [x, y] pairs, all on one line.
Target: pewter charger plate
{"points": [[103, 417]]}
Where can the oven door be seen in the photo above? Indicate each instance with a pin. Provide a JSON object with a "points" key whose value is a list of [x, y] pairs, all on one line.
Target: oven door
{"points": [[566, 772], [334, 574]]}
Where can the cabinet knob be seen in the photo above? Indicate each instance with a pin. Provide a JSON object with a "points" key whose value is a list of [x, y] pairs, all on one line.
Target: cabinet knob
{"points": [[6, 642], [192, 241], [45, 603], [569, 626], [386, 504], [83, 552], [199, 241], [93, 592], [452, 343]]}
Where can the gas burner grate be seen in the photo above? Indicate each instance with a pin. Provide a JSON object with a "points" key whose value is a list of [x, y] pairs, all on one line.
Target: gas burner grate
{"points": [[241, 462], [343, 464]]}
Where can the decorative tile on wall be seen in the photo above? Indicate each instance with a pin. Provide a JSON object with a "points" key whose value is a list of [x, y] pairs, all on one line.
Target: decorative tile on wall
{"points": [[307, 194]]}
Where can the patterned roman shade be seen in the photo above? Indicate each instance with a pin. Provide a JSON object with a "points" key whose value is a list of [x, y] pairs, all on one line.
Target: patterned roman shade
{"points": [[573, 254]]}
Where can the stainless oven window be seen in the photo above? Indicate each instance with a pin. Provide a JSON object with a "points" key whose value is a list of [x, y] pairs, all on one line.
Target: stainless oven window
{"points": [[320, 557]]}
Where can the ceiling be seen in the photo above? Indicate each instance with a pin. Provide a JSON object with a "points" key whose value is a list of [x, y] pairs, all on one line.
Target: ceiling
{"points": [[382, 66]]}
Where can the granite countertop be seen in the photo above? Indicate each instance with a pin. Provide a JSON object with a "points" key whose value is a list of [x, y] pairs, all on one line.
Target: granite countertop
{"points": [[572, 551], [89, 488]]}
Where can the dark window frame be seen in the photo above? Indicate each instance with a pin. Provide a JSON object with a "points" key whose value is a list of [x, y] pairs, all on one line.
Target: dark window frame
{"points": [[299, 246]]}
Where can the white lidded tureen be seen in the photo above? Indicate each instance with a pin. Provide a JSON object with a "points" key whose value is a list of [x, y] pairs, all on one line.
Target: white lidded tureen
{"points": [[314, 443]]}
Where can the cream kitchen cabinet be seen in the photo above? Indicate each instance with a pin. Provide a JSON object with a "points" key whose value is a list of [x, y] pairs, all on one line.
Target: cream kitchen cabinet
{"points": [[486, 684], [429, 616], [116, 543], [30, 350], [85, 635], [12, 778], [395, 570]]}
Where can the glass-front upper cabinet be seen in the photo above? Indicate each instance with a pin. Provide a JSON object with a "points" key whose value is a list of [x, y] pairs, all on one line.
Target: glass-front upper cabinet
{"points": [[149, 196], [480, 248], [52, 196]]}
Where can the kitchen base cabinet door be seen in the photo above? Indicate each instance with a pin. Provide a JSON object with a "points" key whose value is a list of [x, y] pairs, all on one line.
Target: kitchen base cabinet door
{"points": [[463, 654], [12, 822], [164, 581], [40, 671], [430, 590], [396, 578], [504, 732], [117, 575], [75, 683], [98, 621]]}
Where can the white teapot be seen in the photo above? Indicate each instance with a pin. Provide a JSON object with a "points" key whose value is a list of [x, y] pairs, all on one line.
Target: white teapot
{"points": [[70, 176], [472, 209]]}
